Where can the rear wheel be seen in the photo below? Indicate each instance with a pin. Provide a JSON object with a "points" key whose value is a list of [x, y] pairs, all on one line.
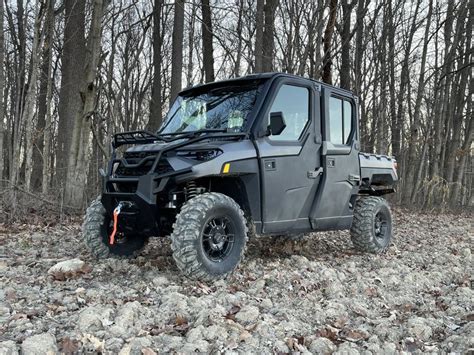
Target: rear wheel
{"points": [[371, 229], [96, 229], [209, 236]]}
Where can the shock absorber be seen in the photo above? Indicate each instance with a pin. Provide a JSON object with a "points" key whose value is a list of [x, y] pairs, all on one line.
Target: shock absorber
{"points": [[191, 190]]}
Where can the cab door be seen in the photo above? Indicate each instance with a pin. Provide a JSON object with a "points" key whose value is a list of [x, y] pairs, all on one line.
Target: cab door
{"points": [[333, 206], [290, 162]]}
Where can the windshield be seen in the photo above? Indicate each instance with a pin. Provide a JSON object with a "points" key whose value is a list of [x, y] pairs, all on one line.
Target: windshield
{"points": [[225, 108]]}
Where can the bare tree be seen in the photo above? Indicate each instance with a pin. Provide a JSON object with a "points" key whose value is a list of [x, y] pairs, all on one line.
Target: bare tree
{"points": [[239, 38], [346, 35], [268, 35], [327, 42], [30, 98], [410, 63], [177, 49], [78, 155], [156, 114], [2, 87], [259, 36], [207, 47], [70, 101], [43, 132], [19, 90]]}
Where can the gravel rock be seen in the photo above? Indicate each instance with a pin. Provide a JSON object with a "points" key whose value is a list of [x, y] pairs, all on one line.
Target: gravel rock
{"points": [[129, 320], [418, 328], [304, 295], [4, 313], [160, 281], [247, 314], [94, 318], [67, 266], [8, 347], [347, 349], [39, 345], [322, 346]]}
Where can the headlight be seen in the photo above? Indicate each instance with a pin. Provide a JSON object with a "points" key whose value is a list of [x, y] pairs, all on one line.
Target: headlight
{"points": [[200, 155]]}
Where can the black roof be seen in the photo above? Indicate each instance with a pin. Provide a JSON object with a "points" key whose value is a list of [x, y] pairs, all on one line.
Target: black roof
{"points": [[256, 77]]}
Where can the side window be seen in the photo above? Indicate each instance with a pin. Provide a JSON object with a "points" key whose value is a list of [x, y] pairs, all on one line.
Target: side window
{"points": [[293, 102], [340, 120], [347, 121]]}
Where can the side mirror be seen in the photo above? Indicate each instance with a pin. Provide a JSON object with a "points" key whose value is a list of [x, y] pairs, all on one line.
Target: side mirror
{"points": [[277, 124]]}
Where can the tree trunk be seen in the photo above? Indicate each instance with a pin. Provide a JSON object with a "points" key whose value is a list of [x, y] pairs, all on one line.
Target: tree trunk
{"points": [[156, 114], [458, 92], [413, 140], [327, 42], [45, 80], [396, 136], [239, 40], [359, 46], [268, 35], [207, 48], [466, 147], [30, 98], [381, 118], [345, 72], [48, 97], [259, 36], [18, 97], [80, 145], [397, 120], [72, 79], [438, 116], [190, 68], [2, 103], [177, 49]]}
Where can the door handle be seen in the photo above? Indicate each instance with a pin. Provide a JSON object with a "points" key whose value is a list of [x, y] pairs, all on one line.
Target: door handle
{"points": [[315, 173], [354, 177], [270, 164]]}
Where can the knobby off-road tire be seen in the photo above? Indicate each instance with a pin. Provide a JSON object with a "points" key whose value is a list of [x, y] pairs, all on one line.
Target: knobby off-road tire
{"points": [[95, 231], [191, 242], [371, 229]]}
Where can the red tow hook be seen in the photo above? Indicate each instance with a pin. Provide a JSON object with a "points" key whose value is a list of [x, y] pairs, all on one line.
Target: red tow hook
{"points": [[114, 231]]}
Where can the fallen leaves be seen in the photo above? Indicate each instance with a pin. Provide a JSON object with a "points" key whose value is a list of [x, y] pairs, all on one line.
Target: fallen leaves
{"points": [[296, 343], [148, 351], [328, 332], [92, 344], [353, 335], [69, 346], [354, 297], [340, 335], [180, 326], [232, 312]]}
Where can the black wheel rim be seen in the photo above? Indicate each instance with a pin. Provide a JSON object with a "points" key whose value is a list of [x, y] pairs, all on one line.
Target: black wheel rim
{"points": [[218, 238], [381, 224]]}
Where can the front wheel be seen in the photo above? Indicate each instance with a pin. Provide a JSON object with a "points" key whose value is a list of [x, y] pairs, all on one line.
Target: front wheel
{"points": [[96, 229], [209, 236], [371, 229]]}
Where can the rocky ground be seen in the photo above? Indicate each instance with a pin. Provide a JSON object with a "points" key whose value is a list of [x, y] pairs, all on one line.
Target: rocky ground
{"points": [[312, 295]]}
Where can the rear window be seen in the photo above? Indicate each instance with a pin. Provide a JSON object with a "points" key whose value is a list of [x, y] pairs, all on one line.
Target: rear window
{"points": [[340, 120]]}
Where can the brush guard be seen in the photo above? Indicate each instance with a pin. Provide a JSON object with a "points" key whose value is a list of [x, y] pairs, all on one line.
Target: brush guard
{"points": [[141, 190]]}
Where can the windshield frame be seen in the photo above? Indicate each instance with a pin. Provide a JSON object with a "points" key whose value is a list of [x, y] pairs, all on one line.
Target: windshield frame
{"points": [[261, 86]]}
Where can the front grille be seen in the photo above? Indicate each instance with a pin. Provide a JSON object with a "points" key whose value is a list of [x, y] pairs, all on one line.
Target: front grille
{"points": [[134, 158]]}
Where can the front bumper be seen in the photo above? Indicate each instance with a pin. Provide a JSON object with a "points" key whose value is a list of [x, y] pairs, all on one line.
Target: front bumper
{"points": [[141, 217]]}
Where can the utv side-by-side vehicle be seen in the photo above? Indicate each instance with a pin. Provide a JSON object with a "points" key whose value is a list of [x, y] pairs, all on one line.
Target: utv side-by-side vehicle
{"points": [[266, 154]]}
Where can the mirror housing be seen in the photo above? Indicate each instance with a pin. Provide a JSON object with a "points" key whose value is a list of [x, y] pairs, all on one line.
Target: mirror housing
{"points": [[277, 124]]}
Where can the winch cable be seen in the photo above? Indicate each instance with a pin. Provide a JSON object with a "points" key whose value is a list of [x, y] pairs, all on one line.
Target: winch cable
{"points": [[115, 216]]}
